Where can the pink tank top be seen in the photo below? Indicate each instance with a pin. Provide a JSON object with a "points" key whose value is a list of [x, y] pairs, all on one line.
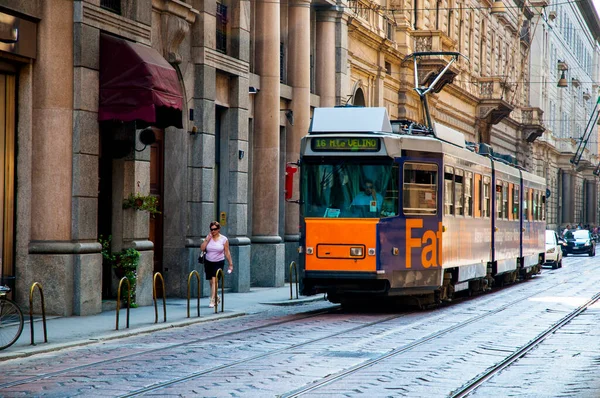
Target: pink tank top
{"points": [[215, 250]]}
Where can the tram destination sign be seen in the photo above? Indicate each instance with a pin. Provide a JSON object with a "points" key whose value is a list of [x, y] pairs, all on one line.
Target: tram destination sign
{"points": [[345, 144]]}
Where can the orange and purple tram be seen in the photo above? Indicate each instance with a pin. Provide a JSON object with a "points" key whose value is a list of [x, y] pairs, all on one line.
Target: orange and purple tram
{"points": [[390, 208]]}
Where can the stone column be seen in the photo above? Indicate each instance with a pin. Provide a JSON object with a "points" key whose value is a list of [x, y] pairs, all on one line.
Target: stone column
{"points": [[235, 130], [86, 152], [591, 190], [299, 79], [52, 157], [267, 249], [568, 198], [171, 23], [201, 146], [325, 56], [235, 156], [379, 81]]}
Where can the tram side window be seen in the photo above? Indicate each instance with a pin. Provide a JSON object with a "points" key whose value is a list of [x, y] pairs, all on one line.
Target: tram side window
{"points": [[487, 188], [528, 211], [458, 192], [419, 191], [448, 191], [543, 207], [499, 199], [504, 201], [515, 203], [535, 206], [469, 194]]}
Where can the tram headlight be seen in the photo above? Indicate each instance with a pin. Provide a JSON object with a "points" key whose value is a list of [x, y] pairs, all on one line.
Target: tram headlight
{"points": [[587, 243], [550, 250], [309, 250], [356, 251]]}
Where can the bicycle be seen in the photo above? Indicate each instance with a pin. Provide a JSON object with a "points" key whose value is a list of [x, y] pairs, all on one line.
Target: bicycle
{"points": [[11, 319]]}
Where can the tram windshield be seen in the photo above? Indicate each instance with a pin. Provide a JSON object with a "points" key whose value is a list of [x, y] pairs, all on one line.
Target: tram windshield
{"points": [[356, 189]]}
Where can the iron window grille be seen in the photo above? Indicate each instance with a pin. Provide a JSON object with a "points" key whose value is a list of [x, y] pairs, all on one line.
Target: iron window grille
{"points": [[111, 5], [221, 28]]}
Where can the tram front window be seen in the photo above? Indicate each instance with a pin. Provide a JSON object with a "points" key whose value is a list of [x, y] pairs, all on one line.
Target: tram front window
{"points": [[350, 190]]}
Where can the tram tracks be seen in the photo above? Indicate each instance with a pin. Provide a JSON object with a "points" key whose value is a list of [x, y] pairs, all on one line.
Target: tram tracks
{"points": [[334, 377], [313, 314], [470, 386]]}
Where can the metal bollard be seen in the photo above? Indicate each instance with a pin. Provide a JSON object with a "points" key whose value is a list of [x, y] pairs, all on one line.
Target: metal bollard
{"points": [[119, 300], [156, 275], [39, 286], [189, 291], [295, 268], [221, 277]]}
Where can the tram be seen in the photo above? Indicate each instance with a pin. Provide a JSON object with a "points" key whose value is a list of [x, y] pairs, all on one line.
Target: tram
{"points": [[393, 208]]}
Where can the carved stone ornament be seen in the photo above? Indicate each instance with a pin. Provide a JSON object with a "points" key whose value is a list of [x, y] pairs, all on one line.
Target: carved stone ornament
{"points": [[176, 18], [423, 43], [177, 29], [487, 89]]}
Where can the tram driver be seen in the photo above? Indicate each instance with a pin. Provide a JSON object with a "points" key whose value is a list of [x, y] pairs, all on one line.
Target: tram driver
{"points": [[368, 200]]}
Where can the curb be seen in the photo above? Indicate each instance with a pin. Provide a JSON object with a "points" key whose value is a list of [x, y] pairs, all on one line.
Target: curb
{"points": [[299, 301], [52, 347]]}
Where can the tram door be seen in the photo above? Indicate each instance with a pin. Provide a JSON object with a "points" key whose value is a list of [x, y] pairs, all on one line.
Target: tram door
{"points": [[7, 177]]}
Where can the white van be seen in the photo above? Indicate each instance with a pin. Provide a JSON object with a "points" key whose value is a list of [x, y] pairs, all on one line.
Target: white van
{"points": [[553, 250]]}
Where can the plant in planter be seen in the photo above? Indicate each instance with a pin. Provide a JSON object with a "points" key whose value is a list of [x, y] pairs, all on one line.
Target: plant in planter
{"points": [[141, 202], [124, 263]]}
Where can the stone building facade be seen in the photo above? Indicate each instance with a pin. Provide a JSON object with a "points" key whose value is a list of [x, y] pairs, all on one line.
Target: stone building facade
{"points": [[566, 42], [243, 78]]}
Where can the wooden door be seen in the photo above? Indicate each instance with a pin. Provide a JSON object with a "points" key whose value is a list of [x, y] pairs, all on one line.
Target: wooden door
{"points": [[7, 177]]}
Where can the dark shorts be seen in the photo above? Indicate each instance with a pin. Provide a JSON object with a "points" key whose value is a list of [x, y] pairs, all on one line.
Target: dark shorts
{"points": [[210, 268]]}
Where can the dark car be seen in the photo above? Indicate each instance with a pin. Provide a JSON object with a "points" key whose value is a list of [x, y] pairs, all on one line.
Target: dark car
{"points": [[579, 241]]}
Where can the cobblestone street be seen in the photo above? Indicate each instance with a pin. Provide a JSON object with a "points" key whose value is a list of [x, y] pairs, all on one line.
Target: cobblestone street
{"points": [[319, 349]]}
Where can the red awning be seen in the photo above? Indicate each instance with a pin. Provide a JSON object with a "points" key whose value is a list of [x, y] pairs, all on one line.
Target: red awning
{"points": [[137, 83]]}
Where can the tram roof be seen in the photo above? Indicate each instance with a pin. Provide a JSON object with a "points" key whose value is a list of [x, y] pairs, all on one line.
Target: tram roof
{"points": [[350, 120]]}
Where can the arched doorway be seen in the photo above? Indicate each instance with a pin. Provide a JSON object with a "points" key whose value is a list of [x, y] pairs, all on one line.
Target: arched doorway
{"points": [[359, 98]]}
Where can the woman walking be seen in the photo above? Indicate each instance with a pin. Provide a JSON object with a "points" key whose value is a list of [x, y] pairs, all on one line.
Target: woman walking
{"points": [[217, 249]]}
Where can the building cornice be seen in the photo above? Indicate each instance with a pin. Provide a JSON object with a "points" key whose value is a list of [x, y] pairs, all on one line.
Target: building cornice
{"points": [[107, 21], [587, 9]]}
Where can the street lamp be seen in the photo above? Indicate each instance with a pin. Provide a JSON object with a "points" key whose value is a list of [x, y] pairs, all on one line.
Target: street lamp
{"points": [[562, 82], [498, 7]]}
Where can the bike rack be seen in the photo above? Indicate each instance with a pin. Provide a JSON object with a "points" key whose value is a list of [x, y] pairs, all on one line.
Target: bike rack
{"points": [[158, 274], [119, 299], [295, 268], [31, 290], [189, 291], [221, 277]]}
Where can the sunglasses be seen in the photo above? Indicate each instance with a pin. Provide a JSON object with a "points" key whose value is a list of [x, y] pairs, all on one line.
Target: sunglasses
{"points": [[214, 229]]}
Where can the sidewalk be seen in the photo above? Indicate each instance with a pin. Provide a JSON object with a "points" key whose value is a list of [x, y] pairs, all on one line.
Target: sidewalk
{"points": [[64, 332]]}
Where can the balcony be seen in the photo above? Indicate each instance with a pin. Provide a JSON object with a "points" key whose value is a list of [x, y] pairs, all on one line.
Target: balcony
{"points": [[548, 138], [566, 145], [430, 67], [368, 17], [532, 124], [492, 108]]}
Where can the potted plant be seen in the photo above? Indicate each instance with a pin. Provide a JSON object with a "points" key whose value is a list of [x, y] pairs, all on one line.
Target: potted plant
{"points": [[141, 202], [124, 263]]}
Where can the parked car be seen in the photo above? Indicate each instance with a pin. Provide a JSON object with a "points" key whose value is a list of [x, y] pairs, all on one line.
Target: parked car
{"points": [[580, 241], [554, 253]]}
